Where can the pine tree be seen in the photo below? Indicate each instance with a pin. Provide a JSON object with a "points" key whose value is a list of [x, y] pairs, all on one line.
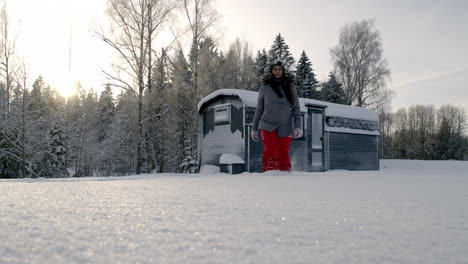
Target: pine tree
{"points": [[106, 113], [81, 131], [279, 51], [40, 108], [232, 67], [208, 67], [57, 154], [443, 140], [183, 104], [156, 120], [238, 67], [122, 139], [3, 100], [104, 118], [14, 140], [36, 105], [73, 115], [248, 79], [332, 91], [306, 83], [261, 67]]}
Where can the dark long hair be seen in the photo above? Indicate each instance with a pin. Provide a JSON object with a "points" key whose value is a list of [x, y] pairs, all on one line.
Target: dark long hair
{"points": [[285, 81]]}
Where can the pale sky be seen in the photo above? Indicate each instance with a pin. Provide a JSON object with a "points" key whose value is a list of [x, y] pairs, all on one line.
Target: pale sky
{"points": [[424, 41]]}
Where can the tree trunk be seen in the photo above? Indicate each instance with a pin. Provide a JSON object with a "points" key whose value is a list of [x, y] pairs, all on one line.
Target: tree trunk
{"points": [[23, 136], [140, 133]]}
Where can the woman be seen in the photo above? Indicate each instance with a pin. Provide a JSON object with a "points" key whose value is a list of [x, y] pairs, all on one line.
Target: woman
{"points": [[277, 105]]}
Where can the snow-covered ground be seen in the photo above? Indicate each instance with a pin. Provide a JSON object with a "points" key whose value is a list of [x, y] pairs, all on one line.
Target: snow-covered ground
{"points": [[409, 212]]}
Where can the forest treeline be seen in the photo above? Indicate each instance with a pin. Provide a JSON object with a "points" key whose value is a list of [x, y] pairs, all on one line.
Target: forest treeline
{"points": [[145, 120]]}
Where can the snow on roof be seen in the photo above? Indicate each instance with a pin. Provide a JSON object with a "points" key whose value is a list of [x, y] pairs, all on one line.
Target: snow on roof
{"points": [[340, 110], [228, 158], [249, 98]]}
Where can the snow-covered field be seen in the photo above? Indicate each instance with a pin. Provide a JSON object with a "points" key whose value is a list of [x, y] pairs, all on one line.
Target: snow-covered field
{"points": [[409, 212]]}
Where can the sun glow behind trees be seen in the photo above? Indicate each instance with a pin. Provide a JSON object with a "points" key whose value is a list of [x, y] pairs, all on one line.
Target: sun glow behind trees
{"points": [[47, 29]]}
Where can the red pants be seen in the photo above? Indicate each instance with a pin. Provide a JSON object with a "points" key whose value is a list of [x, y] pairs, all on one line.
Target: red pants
{"points": [[275, 151]]}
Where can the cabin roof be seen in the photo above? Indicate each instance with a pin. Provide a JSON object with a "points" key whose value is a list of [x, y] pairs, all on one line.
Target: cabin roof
{"points": [[249, 98]]}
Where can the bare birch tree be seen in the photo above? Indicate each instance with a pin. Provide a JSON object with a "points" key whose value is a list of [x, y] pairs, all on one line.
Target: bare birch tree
{"points": [[7, 46], [135, 27], [359, 64], [13, 128], [22, 74], [201, 17]]}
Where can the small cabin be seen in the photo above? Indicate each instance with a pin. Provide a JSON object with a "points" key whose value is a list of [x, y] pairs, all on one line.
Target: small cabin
{"points": [[335, 136]]}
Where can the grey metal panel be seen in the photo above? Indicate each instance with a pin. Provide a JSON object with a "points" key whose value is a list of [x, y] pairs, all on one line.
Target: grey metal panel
{"points": [[254, 153], [317, 130], [353, 151], [298, 155], [237, 120], [326, 151], [315, 142]]}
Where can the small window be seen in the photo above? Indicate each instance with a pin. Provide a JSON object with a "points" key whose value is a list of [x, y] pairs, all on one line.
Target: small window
{"points": [[222, 115]]}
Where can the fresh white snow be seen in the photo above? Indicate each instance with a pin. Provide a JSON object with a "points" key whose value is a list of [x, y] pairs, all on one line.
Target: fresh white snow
{"points": [[408, 212], [229, 158]]}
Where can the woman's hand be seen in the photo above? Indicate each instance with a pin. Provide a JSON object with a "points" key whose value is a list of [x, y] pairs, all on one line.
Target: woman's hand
{"points": [[297, 133], [254, 135]]}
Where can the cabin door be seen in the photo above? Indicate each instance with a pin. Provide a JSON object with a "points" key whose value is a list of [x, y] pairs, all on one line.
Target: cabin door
{"points": [[315, 139]]}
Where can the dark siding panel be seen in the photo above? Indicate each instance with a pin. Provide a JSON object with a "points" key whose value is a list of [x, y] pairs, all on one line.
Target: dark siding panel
{"points": [[353, 152], [249, 115], [237, 120], [208, 122]]}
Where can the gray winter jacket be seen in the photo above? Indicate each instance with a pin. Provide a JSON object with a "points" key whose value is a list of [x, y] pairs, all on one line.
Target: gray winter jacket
{"points": [[274, 112]]}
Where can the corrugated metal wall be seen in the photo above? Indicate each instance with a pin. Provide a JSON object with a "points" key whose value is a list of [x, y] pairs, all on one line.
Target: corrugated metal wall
{"points": [[326, 151], [353, 151], [256, 149]]}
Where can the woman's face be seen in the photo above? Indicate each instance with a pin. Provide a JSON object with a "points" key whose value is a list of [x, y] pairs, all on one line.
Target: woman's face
{"points": [[277, 71]]}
